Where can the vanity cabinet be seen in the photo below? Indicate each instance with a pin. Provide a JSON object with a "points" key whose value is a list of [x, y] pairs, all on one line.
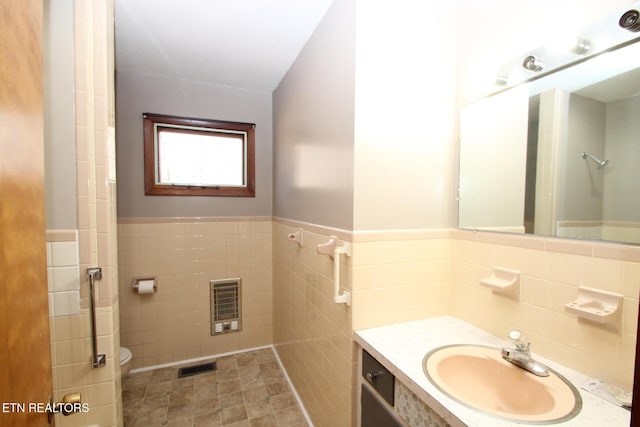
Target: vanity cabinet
{"points": [[377, 394], [374, 413], [384, 401]]}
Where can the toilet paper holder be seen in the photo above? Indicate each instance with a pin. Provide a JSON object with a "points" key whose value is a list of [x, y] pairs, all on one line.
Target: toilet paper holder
{"points": [[135, 285]]}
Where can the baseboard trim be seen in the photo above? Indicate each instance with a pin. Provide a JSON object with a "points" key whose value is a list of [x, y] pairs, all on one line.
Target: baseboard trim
{"points": [[305, 414], [198, 359]]}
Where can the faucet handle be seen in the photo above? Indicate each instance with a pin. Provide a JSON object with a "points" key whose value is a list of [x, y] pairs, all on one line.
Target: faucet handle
{"points": [[519, 340]]}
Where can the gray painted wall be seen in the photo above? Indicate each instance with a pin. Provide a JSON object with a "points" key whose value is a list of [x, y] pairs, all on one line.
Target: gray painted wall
{"points": [[314, 126], [59, 115], [137, 94], [622, 174], [363, 140], [583, 189]]}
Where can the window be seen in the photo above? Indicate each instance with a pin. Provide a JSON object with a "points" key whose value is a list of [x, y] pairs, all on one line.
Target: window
{"points": [[198, 157]]}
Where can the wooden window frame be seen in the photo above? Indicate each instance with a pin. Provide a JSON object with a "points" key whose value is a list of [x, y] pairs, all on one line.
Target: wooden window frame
{"points": [[153, 188]]}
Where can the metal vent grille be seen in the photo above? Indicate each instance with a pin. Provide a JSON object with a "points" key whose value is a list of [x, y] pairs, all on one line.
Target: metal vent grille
{"points": [[225, 306], [188, 371]]}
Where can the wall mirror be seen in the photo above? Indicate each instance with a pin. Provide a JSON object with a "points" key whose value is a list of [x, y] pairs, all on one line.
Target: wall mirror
{"points": [[558, 152]]}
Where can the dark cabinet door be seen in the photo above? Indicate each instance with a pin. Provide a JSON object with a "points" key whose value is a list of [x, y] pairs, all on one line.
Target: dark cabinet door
{"points": [[374, 413]]}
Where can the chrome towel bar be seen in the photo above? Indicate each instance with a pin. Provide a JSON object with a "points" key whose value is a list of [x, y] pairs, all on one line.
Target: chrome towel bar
{"points": [[98, 359]]}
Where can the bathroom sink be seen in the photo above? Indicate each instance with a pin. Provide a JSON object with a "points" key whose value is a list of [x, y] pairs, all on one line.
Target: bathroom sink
{"points": [[478, 377]]}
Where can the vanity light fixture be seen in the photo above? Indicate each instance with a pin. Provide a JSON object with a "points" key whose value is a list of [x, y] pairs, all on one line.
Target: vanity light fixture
{"points": [[501, 80], [630, 20], [569, 45], [533, 63], [581, 46]]}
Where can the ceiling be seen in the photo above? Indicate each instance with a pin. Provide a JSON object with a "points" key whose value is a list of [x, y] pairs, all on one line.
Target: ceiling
{"points": [[247, 44]]}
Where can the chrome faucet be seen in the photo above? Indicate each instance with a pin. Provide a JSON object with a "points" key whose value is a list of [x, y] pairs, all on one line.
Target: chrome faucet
{"points": [[521, 355]]}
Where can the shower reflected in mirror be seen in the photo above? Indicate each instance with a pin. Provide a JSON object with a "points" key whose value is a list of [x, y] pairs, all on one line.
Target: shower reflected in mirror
{"points": [[600, 163]]}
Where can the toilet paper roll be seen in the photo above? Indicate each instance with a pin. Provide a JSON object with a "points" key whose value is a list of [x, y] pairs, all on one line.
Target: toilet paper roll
{"points": [[146, 287]]}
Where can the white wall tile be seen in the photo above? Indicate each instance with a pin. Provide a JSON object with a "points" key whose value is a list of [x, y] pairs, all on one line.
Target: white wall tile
{"points": [[64, 254], [49, 262], [50, 279], [66, 303], [52, 312], [65, 279]]}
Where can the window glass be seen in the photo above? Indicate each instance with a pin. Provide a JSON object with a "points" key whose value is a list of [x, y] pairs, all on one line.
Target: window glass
{"points": [[220, 158], [198, 157]]}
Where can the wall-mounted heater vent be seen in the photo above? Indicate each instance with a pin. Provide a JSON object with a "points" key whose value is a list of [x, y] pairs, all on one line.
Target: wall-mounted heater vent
{"points": [[225, 306]]}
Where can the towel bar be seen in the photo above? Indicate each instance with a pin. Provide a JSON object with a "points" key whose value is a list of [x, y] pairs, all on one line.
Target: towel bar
{"points": [[98, 359]]}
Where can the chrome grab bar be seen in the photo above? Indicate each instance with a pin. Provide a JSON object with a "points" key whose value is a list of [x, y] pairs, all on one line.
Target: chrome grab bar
{"points": [[98, 359]]}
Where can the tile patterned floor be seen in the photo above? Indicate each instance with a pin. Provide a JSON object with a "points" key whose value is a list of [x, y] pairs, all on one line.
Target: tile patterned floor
{"points": [[247, 390]]}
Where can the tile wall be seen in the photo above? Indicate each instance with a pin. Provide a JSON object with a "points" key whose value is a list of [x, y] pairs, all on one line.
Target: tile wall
{"points": [[551, 272], [393, 276], [402, 276], [580, 229], [63, 273], [622, 231], [312, 334], [184, 254], [608, 230], [70, 330]]}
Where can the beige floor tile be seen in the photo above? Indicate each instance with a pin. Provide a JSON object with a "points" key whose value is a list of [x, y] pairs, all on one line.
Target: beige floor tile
{"points": [[231, 399], [289, 416], [259, 409], [246, 390], [229, 387], [182, 422], [205, 406], [233, 414], [264, 421], [282, 401], [207, 420]]}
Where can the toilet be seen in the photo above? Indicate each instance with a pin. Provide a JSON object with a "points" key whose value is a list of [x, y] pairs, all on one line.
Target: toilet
{"points": [[125, 361]]}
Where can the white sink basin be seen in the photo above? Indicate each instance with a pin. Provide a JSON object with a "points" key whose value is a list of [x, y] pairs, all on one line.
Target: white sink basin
{"points": [[478, 377]]}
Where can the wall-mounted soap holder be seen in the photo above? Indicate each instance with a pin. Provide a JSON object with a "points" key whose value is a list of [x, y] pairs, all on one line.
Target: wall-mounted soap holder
{"points": [[596, 305], [297, 236], [504, 281]]}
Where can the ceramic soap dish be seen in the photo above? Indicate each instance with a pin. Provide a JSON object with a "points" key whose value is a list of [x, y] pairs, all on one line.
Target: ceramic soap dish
{"points": [[596, 305]]}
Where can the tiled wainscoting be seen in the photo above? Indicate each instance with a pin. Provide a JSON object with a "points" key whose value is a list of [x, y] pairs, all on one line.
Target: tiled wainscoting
{"points": [[397, 276], [393, 276], [551, 272], [312, 334], [184, 254], [63, 274], [70, 332]]}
